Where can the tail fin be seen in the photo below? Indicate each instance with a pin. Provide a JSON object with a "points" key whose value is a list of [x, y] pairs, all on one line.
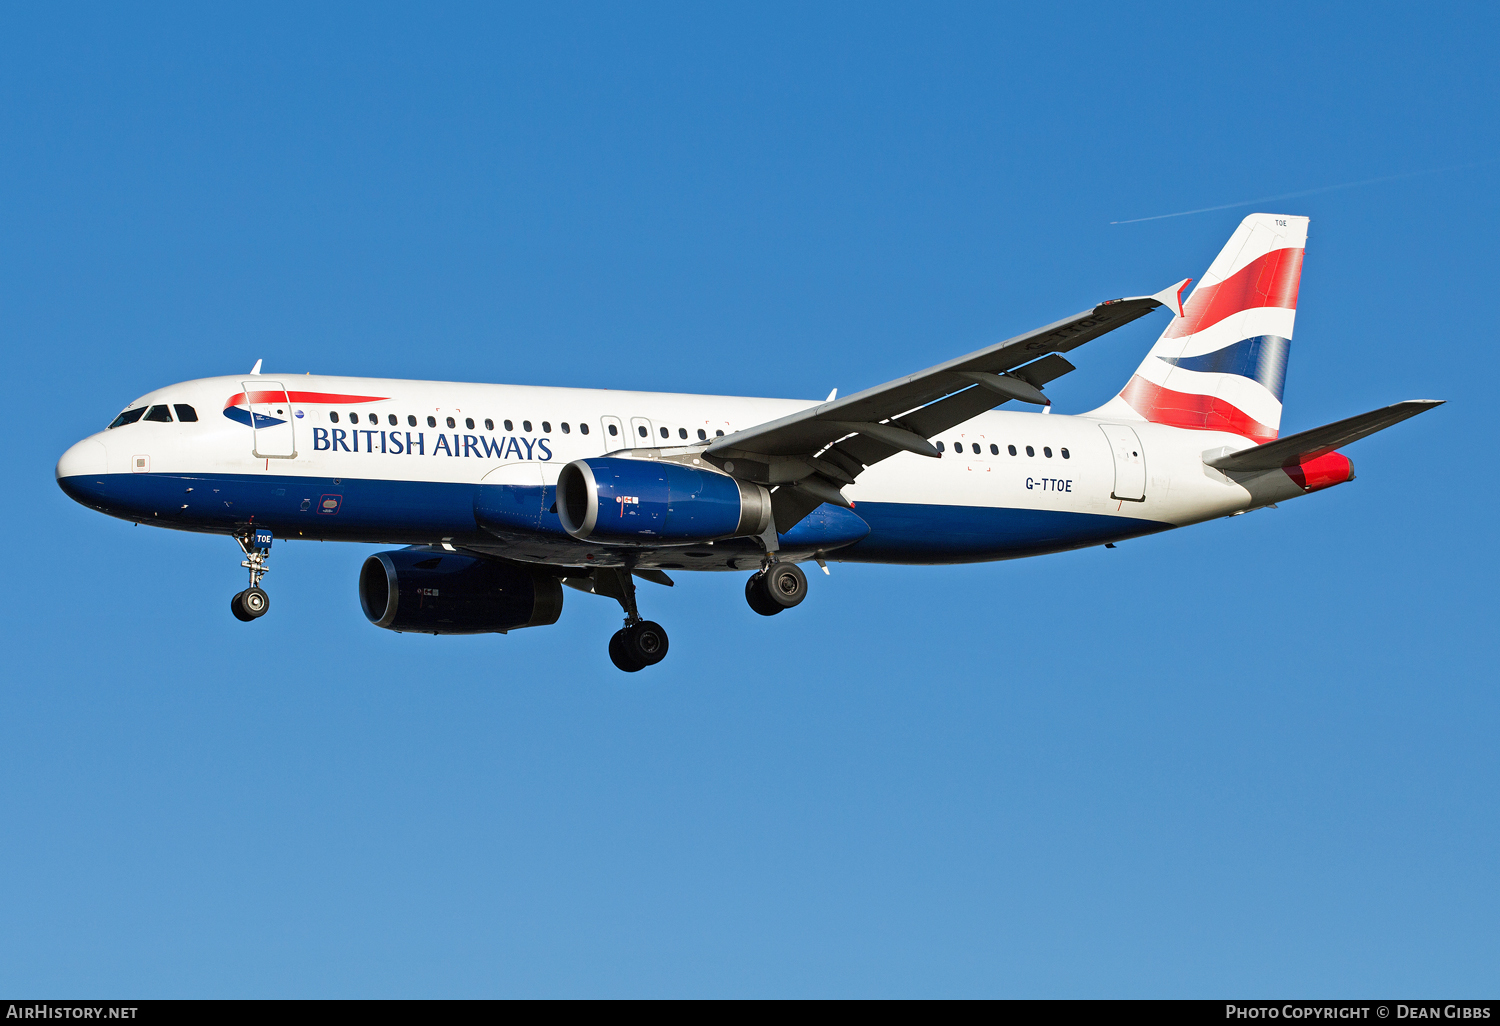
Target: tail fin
{"points": [[1221, 364]]}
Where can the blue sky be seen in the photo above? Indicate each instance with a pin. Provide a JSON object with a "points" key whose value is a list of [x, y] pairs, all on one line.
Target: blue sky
{"points": [[1252, 758]]}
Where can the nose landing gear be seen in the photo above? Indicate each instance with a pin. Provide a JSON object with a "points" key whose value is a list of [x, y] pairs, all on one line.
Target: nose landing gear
{"points": [[775, 587], [253, 603], [640, 643]]}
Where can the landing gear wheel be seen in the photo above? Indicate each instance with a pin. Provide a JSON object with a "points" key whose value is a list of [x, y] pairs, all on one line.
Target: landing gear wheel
{"points": [[780, 586], [618, 654], [786, 584], [638, 646], [646, 641], [755, 594], [250, 604], [255, 602], [239, 610]]}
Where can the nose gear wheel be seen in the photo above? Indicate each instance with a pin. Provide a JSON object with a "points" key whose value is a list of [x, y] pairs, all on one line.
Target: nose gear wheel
{"points": [[250, 604]]}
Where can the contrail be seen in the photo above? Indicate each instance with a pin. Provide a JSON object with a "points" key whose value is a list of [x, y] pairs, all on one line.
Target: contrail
{"points": [[1309, 192]]}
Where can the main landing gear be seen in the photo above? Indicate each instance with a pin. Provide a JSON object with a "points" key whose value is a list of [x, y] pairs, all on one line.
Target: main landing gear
{"points": [[253, 603], [774, 587], [640, 643]]}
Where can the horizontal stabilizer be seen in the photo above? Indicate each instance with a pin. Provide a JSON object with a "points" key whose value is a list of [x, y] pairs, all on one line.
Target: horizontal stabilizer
{"points": [[1309, 445]]}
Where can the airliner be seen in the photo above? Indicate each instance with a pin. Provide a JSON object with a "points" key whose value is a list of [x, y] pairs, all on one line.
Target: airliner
{"points": [[500, 496]]}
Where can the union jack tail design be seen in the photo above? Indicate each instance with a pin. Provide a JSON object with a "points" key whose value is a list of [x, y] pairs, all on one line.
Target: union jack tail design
{"points": [[1221, 364]]}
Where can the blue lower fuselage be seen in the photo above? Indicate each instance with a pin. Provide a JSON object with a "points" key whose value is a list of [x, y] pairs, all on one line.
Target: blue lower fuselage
{"points": [[477, 515]]}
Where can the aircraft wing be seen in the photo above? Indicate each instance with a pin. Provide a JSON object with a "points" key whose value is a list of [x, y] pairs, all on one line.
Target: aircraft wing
{"points": [[809, 455], [1308, 445]]}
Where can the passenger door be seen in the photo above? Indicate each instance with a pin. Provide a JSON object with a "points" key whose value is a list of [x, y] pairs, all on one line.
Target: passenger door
{"points": [[272, 434], [1130, 462]]}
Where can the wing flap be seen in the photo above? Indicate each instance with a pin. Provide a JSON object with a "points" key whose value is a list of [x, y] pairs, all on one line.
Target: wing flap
{"points": [[937, 417], [1048, 368]]}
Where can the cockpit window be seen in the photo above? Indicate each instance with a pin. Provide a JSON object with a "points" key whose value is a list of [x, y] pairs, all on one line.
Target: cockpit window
{"points": [[128, 417], [159, 413], [185, 413]]}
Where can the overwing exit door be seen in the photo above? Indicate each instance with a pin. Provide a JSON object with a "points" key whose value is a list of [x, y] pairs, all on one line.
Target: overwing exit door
{"points": [[270, 420], [614, 434], [1130, 462], [640, 432]]}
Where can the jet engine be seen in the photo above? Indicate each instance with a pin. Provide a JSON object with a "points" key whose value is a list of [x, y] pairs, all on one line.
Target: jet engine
{"points": [[611, 498], [432, 592]]}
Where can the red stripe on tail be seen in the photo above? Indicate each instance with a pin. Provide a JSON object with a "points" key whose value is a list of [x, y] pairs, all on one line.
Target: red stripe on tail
{"points": [[1182, 409], [1271, 280]]}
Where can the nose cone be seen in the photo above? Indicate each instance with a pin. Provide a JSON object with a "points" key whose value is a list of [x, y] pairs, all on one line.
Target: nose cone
{"points": [[81, 470], [85, 459]]}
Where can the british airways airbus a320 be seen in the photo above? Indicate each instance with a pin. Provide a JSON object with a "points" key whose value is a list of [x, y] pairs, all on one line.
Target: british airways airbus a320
{"points": [[502, 495]]}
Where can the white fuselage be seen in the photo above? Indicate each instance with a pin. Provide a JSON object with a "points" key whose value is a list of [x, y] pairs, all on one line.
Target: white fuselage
{"points": [[340, 431]]}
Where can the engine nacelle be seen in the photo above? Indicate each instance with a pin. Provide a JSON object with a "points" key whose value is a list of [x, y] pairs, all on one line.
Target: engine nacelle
{"points": [[651, 501], [427, 592]]}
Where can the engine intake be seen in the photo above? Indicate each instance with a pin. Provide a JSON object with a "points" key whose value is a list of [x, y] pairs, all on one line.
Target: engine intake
{"points": [[429, 592], [650, 501]]}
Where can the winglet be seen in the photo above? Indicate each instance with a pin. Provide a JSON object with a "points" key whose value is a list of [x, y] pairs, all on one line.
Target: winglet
{"points": [[256, 369], [1171, 296]]}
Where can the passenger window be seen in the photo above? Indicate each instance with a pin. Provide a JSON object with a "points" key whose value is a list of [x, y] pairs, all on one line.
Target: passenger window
{"points": [[1012, 449], [432, 422], [718, 434], [468, 423], [526, 426], [546, 427], [612, 430], [682, 432], [185, 413], [1047, 451], [128, 417], [509, 426], [451, 422], [354, 418], [1030, 451], [1064, 454], [702, 435], [411, 421], [994, 449], [641, 428], [940, 447], [160, 414], [333, 415], [583, 429], [976, 449], [564, 426], [489, 425], [665, 433], [391, 419]]}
